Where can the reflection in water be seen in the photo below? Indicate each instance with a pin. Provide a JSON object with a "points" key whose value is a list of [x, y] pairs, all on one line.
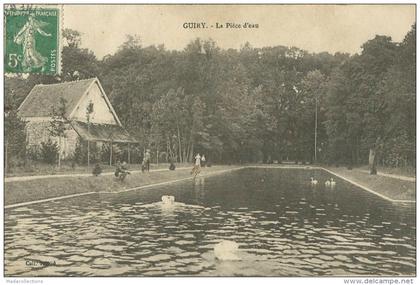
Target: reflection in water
{"points": [[282, 225], [226, 250], [199, 189]]}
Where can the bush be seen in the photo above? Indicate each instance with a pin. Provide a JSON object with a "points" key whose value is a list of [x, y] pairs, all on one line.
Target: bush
{"points": [[15, 139], [80, 152], [399, 152], [117, 153], [34, 153], [49, 151], [97, 169]]}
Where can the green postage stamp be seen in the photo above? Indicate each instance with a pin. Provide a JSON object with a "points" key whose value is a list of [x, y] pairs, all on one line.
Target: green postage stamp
{"points": [[32, 39]]}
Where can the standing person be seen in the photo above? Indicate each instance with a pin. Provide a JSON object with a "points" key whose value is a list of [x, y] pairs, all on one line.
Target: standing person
{"points": [[198, 160], [197, 165], [143, 165], [171, 164], [118, 169], [147, 160], [203, 161]]}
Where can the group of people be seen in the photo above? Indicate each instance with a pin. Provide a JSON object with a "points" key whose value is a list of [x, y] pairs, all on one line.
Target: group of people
{"points": [[201, 160], [121, 170]]}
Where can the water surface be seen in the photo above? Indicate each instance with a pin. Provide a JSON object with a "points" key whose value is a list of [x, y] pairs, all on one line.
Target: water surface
{"points": [[283, 225]]}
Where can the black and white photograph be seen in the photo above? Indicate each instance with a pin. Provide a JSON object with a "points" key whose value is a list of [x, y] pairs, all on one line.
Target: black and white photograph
{"points": [[209, 140]]}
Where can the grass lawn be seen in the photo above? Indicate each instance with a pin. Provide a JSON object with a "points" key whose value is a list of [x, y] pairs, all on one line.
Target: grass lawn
{"points": [[25, 191], [48, 169], [404, 171], [393, 188]]}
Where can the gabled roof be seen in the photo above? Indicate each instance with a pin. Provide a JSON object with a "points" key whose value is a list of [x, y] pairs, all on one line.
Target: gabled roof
{"points": [[43, 98]]}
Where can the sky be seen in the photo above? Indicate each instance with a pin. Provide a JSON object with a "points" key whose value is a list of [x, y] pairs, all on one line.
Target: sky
{"points": [[315, 28]]}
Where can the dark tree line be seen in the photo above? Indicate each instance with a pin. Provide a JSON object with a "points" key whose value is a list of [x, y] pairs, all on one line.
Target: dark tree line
{"points": [[254, 104]]}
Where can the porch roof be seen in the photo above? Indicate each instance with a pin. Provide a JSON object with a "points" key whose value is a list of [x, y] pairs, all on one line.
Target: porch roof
{"points": [[102, 132]]}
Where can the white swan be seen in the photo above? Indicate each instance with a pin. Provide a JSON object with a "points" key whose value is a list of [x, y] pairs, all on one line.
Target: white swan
{"points": [[168, 200], [332, 182], [226, 250], [327, 183], [314, 181]]}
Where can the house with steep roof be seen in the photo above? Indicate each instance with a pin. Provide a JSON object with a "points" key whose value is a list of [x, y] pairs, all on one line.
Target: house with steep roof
{"points": [[104, 125]]}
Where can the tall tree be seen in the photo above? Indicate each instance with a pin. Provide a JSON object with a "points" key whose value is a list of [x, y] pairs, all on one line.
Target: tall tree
{"points": [[14, 138], [89, 112], [59, 125], [77, 63]]}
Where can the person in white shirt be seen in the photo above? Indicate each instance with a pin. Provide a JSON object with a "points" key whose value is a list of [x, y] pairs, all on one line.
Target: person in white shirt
{"points": [[198, 159], [197, 166], [203, 161]]}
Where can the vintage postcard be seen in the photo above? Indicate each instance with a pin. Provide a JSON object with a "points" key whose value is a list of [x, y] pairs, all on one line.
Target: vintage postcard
{"points": [[210, 140]]}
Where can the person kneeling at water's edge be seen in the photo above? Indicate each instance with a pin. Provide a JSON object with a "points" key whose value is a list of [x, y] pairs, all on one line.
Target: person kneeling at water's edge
{"points": [[97, 170], [121, 171]]}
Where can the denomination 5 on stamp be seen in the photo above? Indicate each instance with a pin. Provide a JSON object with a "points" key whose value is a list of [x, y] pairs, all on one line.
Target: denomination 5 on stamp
{"points": [[32, 40]]}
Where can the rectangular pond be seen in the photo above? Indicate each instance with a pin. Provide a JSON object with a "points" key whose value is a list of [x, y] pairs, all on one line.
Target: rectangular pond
{"points": [[282, 225]]}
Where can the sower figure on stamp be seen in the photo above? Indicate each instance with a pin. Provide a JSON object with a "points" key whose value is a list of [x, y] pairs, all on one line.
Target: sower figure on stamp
{"points": [[26, 37]]}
